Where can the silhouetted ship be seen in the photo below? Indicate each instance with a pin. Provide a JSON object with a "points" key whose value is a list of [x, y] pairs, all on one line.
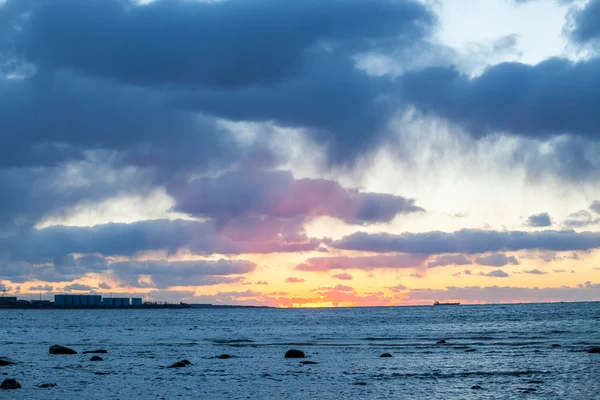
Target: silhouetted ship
{"points": [[437, 303]]}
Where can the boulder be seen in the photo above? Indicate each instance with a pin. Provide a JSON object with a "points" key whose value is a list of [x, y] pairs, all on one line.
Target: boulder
{"points": [[57, 349], [440, 342], [96, 358], [476, 387], [295, 354], [594, 350], [178, 364], [10, 384], [555, 345], [4, 363], [386, 355], [47, 385], [95, 352], [186, 362], [223, 356]]}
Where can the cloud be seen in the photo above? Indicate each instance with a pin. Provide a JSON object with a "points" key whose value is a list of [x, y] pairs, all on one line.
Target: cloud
{"points": [[397, 288], [495, 274], [277, 194], [41, 288], [104, 285], [77, 287], [534, 272], [367, 263], [558, 271], [166, 274], [222, 58], [497, 260], [595, 206], [469, 241], [506, 294], [343, 288], [343, 277], [449, 259], [112, 37], [554, 97], [294, 280], [581, 219], [262, 282], [585, 23], [119, 239], [539, 220]]}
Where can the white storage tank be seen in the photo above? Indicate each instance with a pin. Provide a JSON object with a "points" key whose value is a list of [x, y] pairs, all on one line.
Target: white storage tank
{"points": [[68, 300], [117, 302], [76, 300], [136, 301], [107, 302], [83, 300], [97, 300], [59, 300], [125, 302]]}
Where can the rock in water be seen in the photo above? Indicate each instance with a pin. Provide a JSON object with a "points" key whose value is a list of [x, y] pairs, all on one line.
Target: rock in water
{"points": [[47, 385], [556, 345], [295, 354], [186, 362], [594, 350], [57, 349], [178, 364], [10, 384], [95, 352], [385, 355], [440, 342], [96, 358], [223, 356], [476, 387], [4, 363]]}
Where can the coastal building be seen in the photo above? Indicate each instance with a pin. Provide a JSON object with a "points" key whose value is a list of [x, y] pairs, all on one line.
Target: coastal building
{"points": [[8, 300]]}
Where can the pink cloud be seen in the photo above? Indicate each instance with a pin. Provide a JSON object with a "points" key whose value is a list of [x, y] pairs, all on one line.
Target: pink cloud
{"points": [[342, 277], [292, 279]]}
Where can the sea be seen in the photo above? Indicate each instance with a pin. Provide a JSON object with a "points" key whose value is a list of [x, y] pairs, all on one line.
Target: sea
{"points": [[519, 351]]}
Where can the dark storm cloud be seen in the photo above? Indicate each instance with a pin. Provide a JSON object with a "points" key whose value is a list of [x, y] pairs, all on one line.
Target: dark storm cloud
{"points": [[540, 101], [223, 44], [74, 114], [539, 220], [31, 193], [54, 245], [586, 23], [497, 260], [470, 241], [449, 259], [278, 195], [288, 62], [165, 274]]}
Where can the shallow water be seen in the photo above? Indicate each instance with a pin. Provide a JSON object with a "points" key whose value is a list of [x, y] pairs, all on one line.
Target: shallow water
{"points": [[513, 353]]}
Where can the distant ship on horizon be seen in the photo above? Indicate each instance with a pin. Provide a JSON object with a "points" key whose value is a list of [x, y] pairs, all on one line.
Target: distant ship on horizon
{"points": [[437, 303]]}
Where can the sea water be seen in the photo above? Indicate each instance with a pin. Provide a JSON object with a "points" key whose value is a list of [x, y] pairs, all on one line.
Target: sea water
{"points": [[491, 351]]}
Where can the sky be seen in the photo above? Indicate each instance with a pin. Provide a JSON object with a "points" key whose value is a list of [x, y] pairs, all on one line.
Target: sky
{"points": [[301, 153]]}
